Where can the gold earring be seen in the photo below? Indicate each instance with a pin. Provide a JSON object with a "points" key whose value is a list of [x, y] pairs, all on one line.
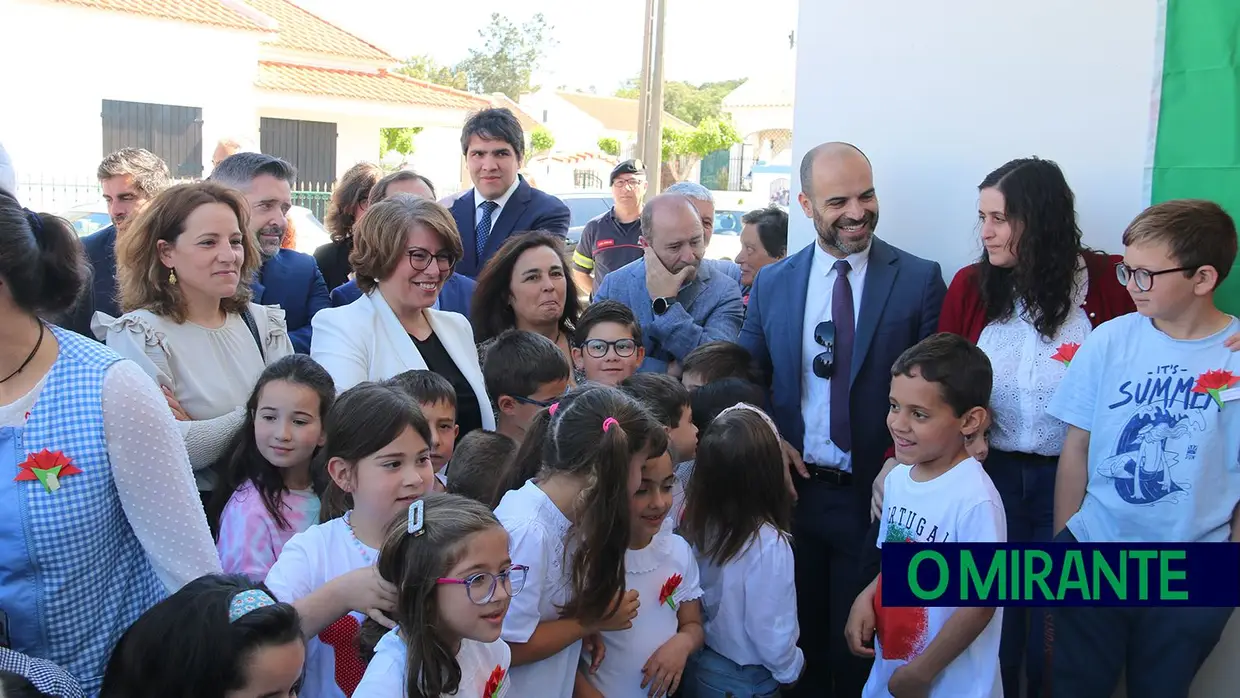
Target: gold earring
{"points": [[172, 276]]}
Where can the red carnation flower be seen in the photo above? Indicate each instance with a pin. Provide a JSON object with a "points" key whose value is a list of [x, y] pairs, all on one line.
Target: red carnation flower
{"points": [[1066, 352], [1213, 383], [669, 588], [496, 682]]}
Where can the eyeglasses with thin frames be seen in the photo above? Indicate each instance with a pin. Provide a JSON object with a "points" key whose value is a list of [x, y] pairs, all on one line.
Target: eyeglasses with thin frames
{"points": [[420, 259], [1143, 278], [598, 348], [532, 401], [824, 363], [480, 587], [627, 184]]}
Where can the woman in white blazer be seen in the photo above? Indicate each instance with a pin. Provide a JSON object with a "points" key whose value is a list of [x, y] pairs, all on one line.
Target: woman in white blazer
{"points": [[404, 249]]}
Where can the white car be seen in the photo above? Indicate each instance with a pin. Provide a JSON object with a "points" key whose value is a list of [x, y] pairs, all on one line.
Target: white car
{"points": [[725, 240], [92, 217]]}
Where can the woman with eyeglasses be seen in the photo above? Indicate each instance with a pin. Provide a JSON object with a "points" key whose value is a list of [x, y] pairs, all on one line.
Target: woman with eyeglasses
{"points": [[404, 249], [527, 285]]}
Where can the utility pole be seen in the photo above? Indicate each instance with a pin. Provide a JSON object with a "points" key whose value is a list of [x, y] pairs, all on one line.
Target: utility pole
{"points": [[650, 103]]}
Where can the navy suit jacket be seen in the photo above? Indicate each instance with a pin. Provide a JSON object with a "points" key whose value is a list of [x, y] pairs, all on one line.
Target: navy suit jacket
{"points": [[527, 209], [291, 280], [100, 293], [900, 305], [455, 296]]}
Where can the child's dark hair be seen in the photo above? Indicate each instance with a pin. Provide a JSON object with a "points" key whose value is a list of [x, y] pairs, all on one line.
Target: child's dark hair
{"points": [[364, 419], [720, 359], [425, 387], [961, 370], [412, 564], [606, 311], [478, 463], [573, 441], [243, 461], [664, 396], [714, 397], [1196, 232], [518, 363], [17, 686], [737, 486], [187, 646]]}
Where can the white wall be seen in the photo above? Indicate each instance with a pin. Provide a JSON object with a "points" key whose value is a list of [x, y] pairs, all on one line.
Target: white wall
{"points": [[939, 93], [574, 130], [61, 62]]}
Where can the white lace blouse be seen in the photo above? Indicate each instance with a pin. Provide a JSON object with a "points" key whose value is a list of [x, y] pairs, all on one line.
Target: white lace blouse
{"points": [[211, 372], [1027, 370]]}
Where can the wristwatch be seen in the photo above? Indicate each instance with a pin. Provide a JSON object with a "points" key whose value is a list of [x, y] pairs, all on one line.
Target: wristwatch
{"points": [[662, 305]]}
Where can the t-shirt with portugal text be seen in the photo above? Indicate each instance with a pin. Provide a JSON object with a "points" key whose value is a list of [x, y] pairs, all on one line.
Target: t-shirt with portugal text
{"points": [[959, 506]]}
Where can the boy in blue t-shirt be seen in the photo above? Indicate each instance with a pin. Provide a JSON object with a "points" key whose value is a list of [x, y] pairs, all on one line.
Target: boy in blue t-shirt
{"points": [[1152, 403]]}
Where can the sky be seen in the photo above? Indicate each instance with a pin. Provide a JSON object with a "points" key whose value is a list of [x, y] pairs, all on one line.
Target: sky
{"points": [[598, 42]]}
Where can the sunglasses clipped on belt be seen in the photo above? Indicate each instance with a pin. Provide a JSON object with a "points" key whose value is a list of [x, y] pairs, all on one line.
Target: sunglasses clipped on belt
{"points": [[824, 363]]}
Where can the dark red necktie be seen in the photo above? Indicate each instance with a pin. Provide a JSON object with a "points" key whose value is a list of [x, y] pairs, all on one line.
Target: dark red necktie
{"points": [[845, 329]]}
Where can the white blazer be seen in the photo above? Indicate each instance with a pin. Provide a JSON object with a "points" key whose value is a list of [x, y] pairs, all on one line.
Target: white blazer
{"points": [[363, 341]]}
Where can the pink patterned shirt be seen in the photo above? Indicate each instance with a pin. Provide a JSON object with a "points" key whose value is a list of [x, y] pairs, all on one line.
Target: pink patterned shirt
{"points": [[250, 540]]}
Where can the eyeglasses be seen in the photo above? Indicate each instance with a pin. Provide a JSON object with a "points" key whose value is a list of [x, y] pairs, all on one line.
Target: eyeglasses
{"points": [[420, 259], [824, 363], [536, 403], [627, 184], [1143, 278], [597, 348], [481, 587]]}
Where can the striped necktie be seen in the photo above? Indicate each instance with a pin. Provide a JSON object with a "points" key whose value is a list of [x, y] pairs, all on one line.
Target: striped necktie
{"points": [[483, 231]]}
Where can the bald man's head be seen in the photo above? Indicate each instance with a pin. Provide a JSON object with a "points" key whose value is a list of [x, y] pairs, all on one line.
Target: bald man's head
{"points": [[672, 228], [837, 192]]}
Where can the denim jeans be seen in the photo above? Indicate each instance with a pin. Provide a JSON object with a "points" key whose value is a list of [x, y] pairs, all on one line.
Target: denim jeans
{"points": [[1026, 484], [712, 675]]}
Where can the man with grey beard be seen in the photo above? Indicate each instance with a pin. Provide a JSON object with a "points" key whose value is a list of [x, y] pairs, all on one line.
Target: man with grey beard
{"points": [[825, 325], [287, 278]]}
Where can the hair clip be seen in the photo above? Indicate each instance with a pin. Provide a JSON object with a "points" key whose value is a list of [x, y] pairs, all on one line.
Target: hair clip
{"points": [[246, 601], [35, 221], [552, 408], [417, 518], [609, 423]]}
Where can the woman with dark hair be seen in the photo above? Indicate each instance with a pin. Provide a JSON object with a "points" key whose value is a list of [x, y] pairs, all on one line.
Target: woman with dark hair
{"points": [[349, 200], [101, 518], [1031, 299], [526, 286]]}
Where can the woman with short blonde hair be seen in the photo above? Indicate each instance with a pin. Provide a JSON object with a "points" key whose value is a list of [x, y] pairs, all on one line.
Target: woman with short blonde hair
{"points": [[404, 249], [183, 270]]}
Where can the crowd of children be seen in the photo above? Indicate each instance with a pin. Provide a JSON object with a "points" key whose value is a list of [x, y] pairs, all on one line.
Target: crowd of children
{"points": [[627, 534]]}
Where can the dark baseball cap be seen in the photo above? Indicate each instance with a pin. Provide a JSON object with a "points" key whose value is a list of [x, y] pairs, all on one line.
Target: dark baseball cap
{"points": [[627, 167]]}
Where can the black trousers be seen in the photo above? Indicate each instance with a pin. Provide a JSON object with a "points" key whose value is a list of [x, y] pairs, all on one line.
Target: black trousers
{"points": [[829, 530]]}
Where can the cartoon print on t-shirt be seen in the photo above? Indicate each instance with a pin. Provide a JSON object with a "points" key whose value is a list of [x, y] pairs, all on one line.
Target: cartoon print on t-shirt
{"points": [[1172, 408], [902, 632]]}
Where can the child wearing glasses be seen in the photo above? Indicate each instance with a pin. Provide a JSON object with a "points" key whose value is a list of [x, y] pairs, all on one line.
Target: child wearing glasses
{"points": [[448, 556], [1153, 419], [607, 343], [524, 373]]}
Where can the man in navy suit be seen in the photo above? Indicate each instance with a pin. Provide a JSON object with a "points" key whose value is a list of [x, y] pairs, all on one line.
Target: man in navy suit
{"points": [[826, 325], [501, 202], [287, 278], [130, 178], [456, 296]]}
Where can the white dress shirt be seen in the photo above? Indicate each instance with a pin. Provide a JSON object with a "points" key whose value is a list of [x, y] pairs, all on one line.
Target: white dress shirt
{"points": [[499, 203], [815, 391]]}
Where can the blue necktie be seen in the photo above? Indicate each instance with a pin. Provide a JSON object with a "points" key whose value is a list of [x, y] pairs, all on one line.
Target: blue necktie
{"points": [[483, 231], [842, 315]]}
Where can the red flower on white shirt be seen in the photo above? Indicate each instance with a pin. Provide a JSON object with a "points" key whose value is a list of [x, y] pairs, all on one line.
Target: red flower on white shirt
{"points": [[1066, 352], [494, 684], [669, 588]]}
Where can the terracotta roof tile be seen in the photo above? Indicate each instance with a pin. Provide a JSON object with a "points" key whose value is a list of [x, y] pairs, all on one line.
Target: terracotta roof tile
{"points": [[212, 12], [371, 87], [301, 30], [615, 113]]}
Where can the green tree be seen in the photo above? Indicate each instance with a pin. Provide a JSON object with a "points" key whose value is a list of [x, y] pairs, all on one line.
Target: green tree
{"points": [[398, 139], [693, 104], [508, 57], [610, 146], [425, 68], [683, 149], [541, 141]]}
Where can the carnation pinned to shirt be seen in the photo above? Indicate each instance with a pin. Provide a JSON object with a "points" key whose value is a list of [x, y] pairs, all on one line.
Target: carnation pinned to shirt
{"points": [[1066, 352], [669, 589], [495, 684], [1213, 383], [47, 467]]}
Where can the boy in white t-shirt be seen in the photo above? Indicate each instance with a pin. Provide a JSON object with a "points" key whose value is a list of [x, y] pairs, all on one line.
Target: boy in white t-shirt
{"points": [[1151, 403], [939, 391]]}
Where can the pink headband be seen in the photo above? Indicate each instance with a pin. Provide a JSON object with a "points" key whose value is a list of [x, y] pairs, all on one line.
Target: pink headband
{"points": [[609, 423]]}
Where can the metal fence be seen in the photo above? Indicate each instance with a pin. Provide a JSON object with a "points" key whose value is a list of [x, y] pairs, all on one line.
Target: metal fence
{"points": [[723, 171], [314, 196]]}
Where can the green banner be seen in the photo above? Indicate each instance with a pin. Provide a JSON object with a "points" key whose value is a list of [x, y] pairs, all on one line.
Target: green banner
{"points": [[1197, 147]]}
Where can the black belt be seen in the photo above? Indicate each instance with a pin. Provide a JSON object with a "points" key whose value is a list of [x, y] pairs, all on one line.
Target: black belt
{"points": [[835, 476]]}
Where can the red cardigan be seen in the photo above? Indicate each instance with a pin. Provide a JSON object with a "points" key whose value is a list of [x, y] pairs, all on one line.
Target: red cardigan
{"points": [[1105, 299]]}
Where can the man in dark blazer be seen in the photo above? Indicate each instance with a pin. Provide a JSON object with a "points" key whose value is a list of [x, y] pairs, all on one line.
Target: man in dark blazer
{"points": [[501, 202], [456, 296], [287, 278], [130, 178], [826, 325]]}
